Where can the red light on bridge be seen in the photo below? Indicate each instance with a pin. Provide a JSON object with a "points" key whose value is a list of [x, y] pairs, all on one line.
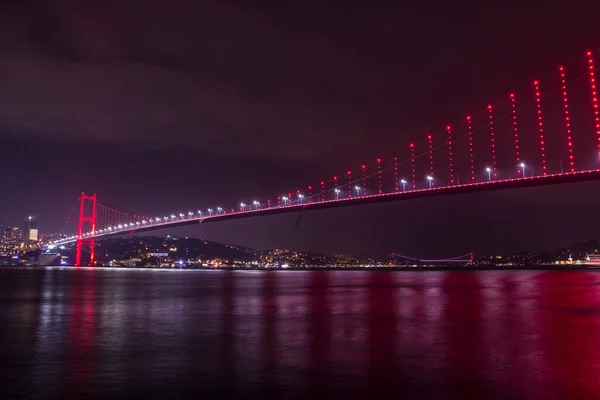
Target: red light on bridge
{"points": [[379, 184], [430, 142], [364, 179], [470, 136], [492, 138], [538, 102], [349, 183], [87, 215], [450, 157], [594, 96], [396, 183], [515, 129], [335, 185], [412, 159]]}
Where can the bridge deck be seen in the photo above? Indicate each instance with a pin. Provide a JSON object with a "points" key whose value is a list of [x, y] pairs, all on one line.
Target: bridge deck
{"points": [[551, 179]]}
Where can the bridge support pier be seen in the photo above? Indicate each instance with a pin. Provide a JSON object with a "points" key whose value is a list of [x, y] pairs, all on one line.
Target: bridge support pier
{"points": [[80, 244], [86, 224]]}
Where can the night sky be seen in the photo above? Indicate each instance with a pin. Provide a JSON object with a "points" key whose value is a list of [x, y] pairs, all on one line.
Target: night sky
{"points": [[168, 106]]}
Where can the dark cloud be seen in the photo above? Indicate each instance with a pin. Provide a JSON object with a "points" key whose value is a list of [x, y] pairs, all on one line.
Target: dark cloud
{"points": [[220, 77], [271, 79]]}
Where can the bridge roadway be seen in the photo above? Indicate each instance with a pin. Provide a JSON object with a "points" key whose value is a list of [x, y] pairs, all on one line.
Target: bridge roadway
{"points": [[515, 183]]}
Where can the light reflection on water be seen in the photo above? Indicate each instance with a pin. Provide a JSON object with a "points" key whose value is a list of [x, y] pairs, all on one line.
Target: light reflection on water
{"points": [[69, 333]]}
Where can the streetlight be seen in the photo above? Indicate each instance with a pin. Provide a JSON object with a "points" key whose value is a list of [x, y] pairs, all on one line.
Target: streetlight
{"points": [[489, 171], [285, 200], [219, 210], [430, 179], [337, 194], [243, 205], [403, 182], [210, 211], [199, 213], [522, 165], [357, 188], [300, 197], [256, 204]]}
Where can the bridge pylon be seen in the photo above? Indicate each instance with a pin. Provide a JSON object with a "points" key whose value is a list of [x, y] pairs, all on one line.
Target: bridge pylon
{"points": [[87, 222]]}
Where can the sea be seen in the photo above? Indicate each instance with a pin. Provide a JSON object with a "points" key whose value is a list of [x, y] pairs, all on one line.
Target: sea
{"points": [[95, 333]]}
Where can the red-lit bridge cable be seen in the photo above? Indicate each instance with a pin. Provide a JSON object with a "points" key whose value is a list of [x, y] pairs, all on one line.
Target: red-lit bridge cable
{"points": [[412, 158], [492, 139], [565, 97], [515, 131], [540, 123], [450, 155], [396, 183], [430, 142], [594, 93], [379, 183], [322, 191], [364, 179], [471, 158], [349, 183]]}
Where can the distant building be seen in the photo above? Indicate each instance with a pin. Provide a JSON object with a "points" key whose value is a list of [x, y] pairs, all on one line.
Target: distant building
{"points": [[157, 255], [30, 230], [14, 233]]}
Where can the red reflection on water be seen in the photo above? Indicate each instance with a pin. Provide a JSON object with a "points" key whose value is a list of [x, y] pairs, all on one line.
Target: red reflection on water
{"points": [[381, 335], [319, 334], [570, 333], [81, 337], [463, 327], [269, 325], [227, 343]]}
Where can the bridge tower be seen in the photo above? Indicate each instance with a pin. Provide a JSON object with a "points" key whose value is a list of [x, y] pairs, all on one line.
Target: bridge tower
{"points": [[87, 221]]}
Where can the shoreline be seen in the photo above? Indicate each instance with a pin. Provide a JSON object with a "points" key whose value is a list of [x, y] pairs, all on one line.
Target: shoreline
{"points": [[549, 267]]}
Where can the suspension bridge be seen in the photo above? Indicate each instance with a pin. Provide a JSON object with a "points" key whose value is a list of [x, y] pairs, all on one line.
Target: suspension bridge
{"points": [[465, 258], [545, 134]]}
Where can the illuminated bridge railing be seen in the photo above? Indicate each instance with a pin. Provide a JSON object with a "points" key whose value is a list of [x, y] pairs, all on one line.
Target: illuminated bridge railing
{"points": [[201, 217]]}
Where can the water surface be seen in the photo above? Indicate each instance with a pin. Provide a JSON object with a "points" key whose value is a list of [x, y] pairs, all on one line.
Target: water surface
{"points": [[289, 334]]}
